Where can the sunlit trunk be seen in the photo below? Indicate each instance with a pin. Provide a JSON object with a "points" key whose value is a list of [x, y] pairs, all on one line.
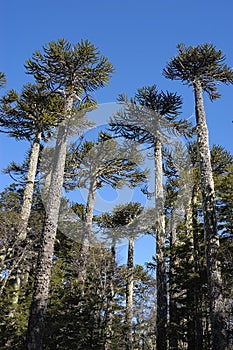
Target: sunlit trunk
{"points": [[45, 258], [85, 245], [20, 273], [216, 300], [161, 318]]}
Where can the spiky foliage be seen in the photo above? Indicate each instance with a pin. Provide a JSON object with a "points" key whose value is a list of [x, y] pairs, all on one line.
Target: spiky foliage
{"points": [[73, 69], [33, 110], [203, 63], [106, 161], [2, 79], [148, 115]]}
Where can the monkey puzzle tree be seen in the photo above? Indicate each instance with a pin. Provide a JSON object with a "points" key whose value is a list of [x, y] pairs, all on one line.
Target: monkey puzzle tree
{"points": [[74, 71], [148, 119], [27, 116], [203, 67], [97, 164], [120, 224]]}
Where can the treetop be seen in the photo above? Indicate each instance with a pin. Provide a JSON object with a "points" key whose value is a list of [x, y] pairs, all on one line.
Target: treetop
{"points": [[203, 63]]}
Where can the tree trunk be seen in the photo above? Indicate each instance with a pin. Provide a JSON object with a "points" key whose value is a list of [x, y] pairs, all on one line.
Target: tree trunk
{"points": [[45, 258], [19, 275], [110, 297], [129, 295], [216, 300], [85, 246], [161, 318], [29, 187], [173, 334]]}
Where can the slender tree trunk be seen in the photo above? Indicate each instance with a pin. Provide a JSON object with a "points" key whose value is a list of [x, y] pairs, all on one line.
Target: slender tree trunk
{"points": [[19, 275], [110, 296], [29, 187], [129, 295], [85, 246], [198, 329], [45, 258], [161, 321], [173, 336], [216, 300]]}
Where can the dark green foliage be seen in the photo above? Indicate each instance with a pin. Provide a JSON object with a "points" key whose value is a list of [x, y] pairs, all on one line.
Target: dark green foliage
{"points": [[203, 63], [79, 68], [33, 110]]}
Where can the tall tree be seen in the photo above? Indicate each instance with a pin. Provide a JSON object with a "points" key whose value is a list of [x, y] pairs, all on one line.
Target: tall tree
{"points": [[202, 67], [98, 164], [120, 224], [147, 118], [74, 71], [29, 116]]}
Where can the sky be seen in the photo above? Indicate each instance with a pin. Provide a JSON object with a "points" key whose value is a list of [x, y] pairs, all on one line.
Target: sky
{"points": [[138, 37]]}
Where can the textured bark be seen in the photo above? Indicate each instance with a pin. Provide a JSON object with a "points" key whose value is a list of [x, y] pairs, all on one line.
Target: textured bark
{"points": [[173, 336], [29, 187], [110, 299], [198, 329], [85, 246], [216, 300], [19, 275], [129, 295], [44, 264], [161, 318]]}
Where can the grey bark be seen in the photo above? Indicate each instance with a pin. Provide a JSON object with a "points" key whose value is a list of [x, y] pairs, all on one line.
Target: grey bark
{"points": [[20, 274], [110, 297], [29, 187], [85, 246], [129, 295], [38, 308], [216, 301], [161, 317]]}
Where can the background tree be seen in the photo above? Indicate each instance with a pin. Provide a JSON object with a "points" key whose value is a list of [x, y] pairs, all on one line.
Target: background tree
{"points": [[202, 67], [147, 118]]}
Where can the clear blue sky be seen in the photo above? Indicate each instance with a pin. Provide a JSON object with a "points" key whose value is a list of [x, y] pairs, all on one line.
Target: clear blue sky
{"points": [[139, 37]]}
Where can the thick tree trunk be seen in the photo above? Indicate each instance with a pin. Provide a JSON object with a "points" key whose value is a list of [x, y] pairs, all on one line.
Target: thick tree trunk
{"points": [[85, 246], [129, 295], [161, 318], [45, 258], [216, 300]]}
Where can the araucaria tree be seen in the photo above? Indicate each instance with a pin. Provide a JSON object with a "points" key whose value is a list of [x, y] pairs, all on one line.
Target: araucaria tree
{"points": [[202, 67], [74, 71], [147, 119]]}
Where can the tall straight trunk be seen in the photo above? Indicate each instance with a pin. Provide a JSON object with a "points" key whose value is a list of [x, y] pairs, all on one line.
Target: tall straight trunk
{"points": [[129, 295], [85, 246], [173, 334], [161, 318], [29, 187], [110, 297], [38, 308], [19, 275], [198, 329], [216, 301]]}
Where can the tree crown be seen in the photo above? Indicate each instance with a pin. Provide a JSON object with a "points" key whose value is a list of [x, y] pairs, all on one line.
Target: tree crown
{"points": [[74, 69], [204, 64]]}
